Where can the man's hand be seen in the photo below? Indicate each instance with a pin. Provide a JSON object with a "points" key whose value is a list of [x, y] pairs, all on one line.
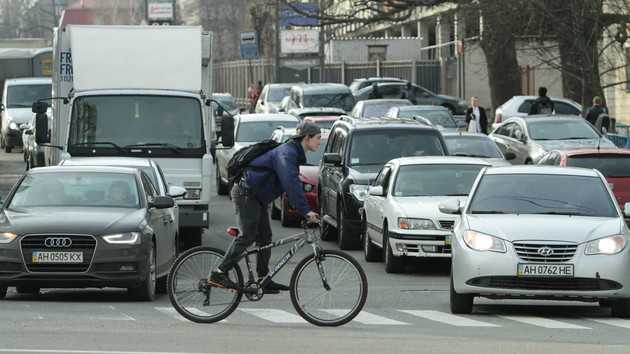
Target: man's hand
{"points": [[311, 216]]}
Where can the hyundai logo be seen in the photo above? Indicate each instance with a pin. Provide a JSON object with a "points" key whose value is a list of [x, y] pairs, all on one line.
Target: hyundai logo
{"points": [[58, 242], [545, 251]]}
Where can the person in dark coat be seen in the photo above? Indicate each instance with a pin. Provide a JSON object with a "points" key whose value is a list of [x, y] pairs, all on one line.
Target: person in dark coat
{"points": [[476, 117], [374, 93], [595, 110], [542, 104]]}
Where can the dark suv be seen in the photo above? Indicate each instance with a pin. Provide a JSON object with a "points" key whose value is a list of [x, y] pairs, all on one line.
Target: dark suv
{"points": [[356, 150]]}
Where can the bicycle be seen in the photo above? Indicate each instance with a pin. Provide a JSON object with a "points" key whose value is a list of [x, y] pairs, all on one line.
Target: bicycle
{"points": [[327, 288]]}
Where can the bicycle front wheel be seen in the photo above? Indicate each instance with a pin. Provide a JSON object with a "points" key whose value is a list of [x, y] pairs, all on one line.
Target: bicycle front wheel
{"points": [[337, 305], [190, 293]]}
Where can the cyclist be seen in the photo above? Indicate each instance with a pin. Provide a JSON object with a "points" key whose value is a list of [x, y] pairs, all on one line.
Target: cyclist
{"points": [[267, 177]]}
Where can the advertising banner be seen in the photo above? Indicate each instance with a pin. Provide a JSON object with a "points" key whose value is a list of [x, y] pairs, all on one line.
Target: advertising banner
{"points": [[299, 41]]}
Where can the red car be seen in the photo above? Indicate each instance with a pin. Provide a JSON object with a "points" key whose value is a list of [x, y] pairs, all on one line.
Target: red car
{"points": [[324, 122], [281, 208], [613, 163]]}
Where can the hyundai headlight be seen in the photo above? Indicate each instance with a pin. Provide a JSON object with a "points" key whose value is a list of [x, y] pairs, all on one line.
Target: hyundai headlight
{"points": [[359, 191], [128, 238], [606, 245], [416, 224], [307, 187], [7, 237], [484, 242]]}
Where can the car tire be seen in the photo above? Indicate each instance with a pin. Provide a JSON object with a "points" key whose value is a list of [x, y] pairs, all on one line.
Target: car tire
{"points": [[3, 291], [24, 289], [620, 308], [460, 303], [393, 264], [327, 232], [8, 149], [285, 220], [274, 212], [346, 239], [146, 290], [160, 286], [28, 163], [222, 189], [371, 253]]}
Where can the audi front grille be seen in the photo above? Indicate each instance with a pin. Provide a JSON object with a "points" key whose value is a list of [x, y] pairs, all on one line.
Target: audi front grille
{"points": [[39, 243]]}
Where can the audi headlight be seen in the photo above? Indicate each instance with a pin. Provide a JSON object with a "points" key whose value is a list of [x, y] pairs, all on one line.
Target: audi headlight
{"points": [[483, 242], [307, 187], [359, 191], [606, 245], [416, 224], [129, 238], [7, 237]]}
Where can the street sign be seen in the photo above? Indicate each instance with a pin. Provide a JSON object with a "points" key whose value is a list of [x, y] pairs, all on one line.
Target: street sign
{"points": [[249, 44]]}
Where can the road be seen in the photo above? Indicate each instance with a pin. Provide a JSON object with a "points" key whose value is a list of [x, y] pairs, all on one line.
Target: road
{"points": [[404, 313]]}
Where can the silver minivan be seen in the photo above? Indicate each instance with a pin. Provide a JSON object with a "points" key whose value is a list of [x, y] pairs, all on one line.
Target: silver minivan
{"points": [[322, 95]]}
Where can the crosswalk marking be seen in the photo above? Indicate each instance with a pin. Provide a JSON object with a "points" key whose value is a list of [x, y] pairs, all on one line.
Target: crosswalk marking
{"points": [[542, 322], [617, 322], [448, 318], [113, 315], [173, 313], [368, 318], [276, 316]]}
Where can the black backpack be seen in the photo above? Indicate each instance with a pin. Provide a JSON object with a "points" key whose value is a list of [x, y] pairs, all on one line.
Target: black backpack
{"points": [[545, 108], [240, 160]]}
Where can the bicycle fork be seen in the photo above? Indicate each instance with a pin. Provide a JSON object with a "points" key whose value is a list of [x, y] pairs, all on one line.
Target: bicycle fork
{"points": [[318, 260]]}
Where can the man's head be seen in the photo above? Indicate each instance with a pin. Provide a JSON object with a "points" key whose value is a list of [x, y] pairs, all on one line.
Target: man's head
{"points": [[306, 128], [408, 85], [542, 91], [597, 100]]}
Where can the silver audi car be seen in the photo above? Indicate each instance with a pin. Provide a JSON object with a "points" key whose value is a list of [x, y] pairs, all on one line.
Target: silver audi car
{"points": [[540, 232]]}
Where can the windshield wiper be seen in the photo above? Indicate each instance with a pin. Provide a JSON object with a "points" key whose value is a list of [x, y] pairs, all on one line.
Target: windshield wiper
{"points": [[577, 138], [101, 143], [457, 195], [557, 213], [173, 148], [487, 212]]}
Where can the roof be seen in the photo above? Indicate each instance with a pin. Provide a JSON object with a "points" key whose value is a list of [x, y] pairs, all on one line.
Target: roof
{"points": [[422, 108], [380, 101], [81, 169], [267, 116], [592, 151], [107, 161], [441, 160], [29, 80], [541, 170], [307, 110], [548, 117]]}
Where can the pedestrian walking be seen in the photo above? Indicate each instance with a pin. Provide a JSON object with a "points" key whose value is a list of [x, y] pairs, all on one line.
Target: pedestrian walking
{"points": [[542, 104], [408, 93], [476, 117]]}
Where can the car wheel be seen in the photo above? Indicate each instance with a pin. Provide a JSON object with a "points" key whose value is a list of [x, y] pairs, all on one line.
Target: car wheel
{"points": [[27, 290], [146, 290], [620, 308], [7, 148], [28, 164], [284, 218], [3, 291], [393, 264], [222, 189], [460, 303], [371, 253], [274, 212], [345, 238]]}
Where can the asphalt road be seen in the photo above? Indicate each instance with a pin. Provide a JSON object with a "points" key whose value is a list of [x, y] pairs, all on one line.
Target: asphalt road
{"points": [[404, 313]]}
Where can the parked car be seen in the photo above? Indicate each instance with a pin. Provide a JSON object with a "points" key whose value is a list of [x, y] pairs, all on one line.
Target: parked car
{"points": [[33, 153], [613, 163], [281, 208], [356, 150], [18, 96], [476, 145], [86, 226], [324, 122], [229, 108], [518, 106], [438, 116], [316, 112], [400, 213], [362, 82], [376, 107], [530, 137], [321, 95], [540, 233], [248, 129], [270, 97], [455, 105]]}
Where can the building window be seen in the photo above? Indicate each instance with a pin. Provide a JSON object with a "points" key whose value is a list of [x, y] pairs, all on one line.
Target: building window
{"points": [[377, 52]]}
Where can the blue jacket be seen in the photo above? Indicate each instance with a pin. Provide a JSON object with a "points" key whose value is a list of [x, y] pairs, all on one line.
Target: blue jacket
{"points": [[280, 173]]}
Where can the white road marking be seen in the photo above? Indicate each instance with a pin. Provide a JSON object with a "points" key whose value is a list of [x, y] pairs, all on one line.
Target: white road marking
{"points": [[276, 316], [115, 316], [617, 322], [368, 318], [448, 318], [173, 313], [542, 322]]}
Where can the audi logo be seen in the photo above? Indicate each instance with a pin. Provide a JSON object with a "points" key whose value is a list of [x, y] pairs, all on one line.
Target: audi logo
{"points": [[58, 242], [545, 251]]}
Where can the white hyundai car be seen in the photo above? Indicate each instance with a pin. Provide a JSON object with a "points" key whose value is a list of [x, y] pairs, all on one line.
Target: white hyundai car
{"points": [[400, 214]]}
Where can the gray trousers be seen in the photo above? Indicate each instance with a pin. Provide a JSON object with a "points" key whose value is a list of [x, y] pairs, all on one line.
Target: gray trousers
{"points": [[252, 220]]}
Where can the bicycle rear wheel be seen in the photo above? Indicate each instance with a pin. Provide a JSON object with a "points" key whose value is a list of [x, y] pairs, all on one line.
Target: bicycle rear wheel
{"points": [[340, 304], [190, 293]]}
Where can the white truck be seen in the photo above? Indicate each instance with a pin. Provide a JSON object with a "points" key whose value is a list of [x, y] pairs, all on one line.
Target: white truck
{"points": [[140, 91]]}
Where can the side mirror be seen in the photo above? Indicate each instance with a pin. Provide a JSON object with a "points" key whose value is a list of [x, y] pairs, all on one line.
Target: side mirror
{"points": [[450, 206], [176, 191], [376, 190], [162, 202], [40, 107], [41, 128], [509, 155], [227, 131], [332, 159]]}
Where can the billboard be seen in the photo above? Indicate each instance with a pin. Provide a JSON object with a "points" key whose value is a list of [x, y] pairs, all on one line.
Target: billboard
{"points": [[299, 41], [289, 17], [160, 12]]}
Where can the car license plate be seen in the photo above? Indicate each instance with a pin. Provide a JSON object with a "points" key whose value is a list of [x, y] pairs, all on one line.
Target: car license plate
{"points": [[57, 257], [545, 270], [447, 239]]}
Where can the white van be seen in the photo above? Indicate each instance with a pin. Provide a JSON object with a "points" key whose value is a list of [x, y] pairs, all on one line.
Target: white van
{"points": [[18, 96]]}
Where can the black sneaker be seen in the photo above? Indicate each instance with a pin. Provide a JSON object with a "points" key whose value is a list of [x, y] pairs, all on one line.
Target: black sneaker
{"points": [[273, 286], [222, 281]]}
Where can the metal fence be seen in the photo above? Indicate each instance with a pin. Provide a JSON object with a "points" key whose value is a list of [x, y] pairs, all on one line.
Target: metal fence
{"points": [[236, 76]]}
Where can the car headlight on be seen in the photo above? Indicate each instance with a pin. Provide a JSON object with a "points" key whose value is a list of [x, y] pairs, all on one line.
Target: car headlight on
{"points": [[7, 237], [483, 242], [13, 125], [129, 238], [416, 224], [462, 103], [307, 187], [606, 245], [359, 191]]}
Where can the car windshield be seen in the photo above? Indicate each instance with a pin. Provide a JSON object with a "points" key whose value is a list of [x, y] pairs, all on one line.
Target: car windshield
{"points": [[437, 117], [472, 146], [560, 129], [344, 101], [379, 147], [226, 102], [435, 180], [23, 96], [278, 93], [85, 189], [256, 131], [542, 194], [611, 166], [379, 110]]}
